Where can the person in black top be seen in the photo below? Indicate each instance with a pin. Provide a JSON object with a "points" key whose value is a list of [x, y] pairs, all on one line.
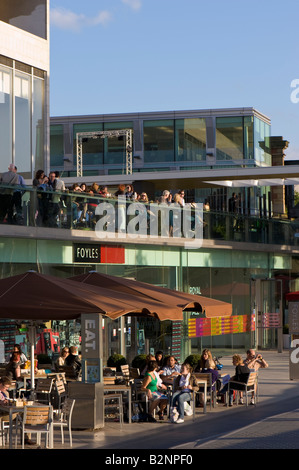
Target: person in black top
{"points": [[73, 360], [241, 375]]}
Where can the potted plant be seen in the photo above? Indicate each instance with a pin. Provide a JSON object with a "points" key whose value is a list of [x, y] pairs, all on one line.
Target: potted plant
{"points": [[116, 360]]}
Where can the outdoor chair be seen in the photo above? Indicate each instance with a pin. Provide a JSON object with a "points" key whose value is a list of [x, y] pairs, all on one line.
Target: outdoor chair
{"points": [[69, 372], [134, 373], [64, 419], [138, 395], [251, 385], [125, 370], [36, 420], [112, 402], [58, 394], [43, 390], [212, 394]]}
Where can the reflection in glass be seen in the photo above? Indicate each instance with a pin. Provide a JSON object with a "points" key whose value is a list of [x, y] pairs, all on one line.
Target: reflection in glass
{"points": [[56, 146], [115, 147], [262, 142], [38, 123], [190, 139], [229, 138], [22, 87], [29, 15], [92, 149], [5, 118], [158, 141]]}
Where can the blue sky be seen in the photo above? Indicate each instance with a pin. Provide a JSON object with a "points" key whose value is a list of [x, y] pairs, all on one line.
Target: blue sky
{"points": [[117, 56]]}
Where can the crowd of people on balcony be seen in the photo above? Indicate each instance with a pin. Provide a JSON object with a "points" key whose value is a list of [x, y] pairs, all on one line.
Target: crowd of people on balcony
{"points": [[52, 204], [54, 209]]}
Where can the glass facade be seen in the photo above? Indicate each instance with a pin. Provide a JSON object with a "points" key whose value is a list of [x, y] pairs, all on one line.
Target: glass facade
{"points": [[158, 141], [6, 116], [183, 143], [22, 93], [225, 275], [190, 140], [229, 138], [261, 142], [57, 145]]}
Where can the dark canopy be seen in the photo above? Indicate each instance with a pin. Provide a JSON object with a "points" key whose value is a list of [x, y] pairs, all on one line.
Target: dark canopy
{"points": [[34, 296], [172, 298]]}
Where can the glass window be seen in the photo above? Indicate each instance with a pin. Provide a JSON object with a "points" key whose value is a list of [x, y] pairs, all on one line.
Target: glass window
{"points": [[38, 123], [22, 88], [262, 142], [115, 147], [92, 148], [248, 138], [158, 141], [56, 146], [229, 138], [5, 117], [190, 139]]}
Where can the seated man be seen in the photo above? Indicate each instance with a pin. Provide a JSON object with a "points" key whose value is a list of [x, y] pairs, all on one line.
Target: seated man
{"points": [[172, 370], [73, 360]]}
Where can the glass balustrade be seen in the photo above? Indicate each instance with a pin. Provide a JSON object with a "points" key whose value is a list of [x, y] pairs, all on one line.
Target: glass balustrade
{"points": [[118, 217]]}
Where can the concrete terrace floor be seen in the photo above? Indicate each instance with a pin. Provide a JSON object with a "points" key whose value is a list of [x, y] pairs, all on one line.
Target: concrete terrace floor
{"points": [[278, 397]]}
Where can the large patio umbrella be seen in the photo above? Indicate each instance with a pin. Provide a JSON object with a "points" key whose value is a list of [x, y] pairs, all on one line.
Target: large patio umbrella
{"points": [[172, 298], [35, 297]]}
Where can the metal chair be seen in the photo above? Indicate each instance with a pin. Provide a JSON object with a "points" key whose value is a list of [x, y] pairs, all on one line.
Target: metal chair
{"points": [[36, 420], [43, 390], [58, 394], [64, 419]]}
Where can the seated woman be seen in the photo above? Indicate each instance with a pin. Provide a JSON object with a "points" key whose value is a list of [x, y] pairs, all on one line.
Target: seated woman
{"points": [[241, 375], [206, 361], [206, 365], [13, 369], [183, 386], [150, 386], [61, 359], [160, 360]]}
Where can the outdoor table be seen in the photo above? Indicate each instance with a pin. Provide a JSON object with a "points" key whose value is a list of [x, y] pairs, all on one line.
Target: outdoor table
{"points": [[12, 408], [121, 388]]}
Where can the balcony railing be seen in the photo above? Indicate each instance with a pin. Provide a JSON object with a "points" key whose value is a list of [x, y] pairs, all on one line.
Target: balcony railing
{"points": [[108, 217]]}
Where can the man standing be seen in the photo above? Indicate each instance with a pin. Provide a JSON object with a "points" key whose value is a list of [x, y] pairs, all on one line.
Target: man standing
{"points": [[9, 178], [53, 208], [17, 201]]}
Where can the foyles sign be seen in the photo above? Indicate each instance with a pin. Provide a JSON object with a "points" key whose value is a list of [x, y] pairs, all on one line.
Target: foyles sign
{"points": [[83, 253]]}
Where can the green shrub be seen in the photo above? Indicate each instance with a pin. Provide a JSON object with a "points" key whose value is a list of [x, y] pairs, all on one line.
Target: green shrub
{"points": [[116, 360], [193, 360], [139, 362]]}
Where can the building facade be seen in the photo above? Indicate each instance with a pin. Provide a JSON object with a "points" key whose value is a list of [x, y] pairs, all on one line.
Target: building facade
{"points": [[24, 85], [163, 141]]}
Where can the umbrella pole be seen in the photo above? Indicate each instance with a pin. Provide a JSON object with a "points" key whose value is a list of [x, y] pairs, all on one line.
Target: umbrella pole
{"points": [[32, 337]]}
